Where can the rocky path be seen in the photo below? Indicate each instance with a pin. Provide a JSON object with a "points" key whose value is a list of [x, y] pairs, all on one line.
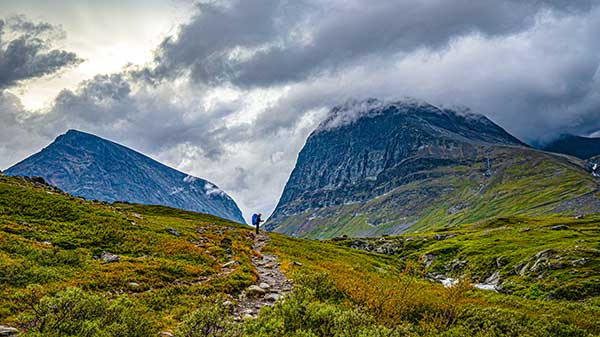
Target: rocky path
{"points": [[272, 284]]}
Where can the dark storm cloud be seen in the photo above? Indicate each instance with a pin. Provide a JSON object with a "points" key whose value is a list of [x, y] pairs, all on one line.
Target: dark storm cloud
{"points": [[109, 105], [26, 51], [204, 45], [276, 41]]}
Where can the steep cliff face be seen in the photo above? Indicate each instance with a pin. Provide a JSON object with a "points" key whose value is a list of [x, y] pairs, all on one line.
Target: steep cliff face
{"points": [[94, 168], [376, 168]]}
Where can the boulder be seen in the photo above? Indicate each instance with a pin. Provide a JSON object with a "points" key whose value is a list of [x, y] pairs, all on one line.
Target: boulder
{"points": [[521, 269], [173, 231], [544, 254], [255, 291], [559, 227], [109, 257], [264, 285], [273, 297], [231, 264], [440, 236], [7, 331], [456, 265], [428, 259], [493, 279]]}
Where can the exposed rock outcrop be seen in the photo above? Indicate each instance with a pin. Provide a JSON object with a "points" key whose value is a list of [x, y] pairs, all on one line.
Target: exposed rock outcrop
{"points": [[374, 168]]}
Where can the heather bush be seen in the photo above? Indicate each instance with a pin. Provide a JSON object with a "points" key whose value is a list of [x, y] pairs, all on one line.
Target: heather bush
{"points": [[74, 312]]}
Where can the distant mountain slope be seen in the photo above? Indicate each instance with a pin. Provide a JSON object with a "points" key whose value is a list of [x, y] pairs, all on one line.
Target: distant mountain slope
{"points": [[580, 147], [377, 168], [94, 168]]}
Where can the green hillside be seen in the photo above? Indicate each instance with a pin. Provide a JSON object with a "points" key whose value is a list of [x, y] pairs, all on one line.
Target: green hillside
{"points": [[174, 274], [553, 257], [500, 181], [50, 241]]}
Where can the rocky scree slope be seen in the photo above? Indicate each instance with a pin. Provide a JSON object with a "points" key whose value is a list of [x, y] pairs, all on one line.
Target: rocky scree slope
{"points": [[97, 169], [376, 168]]}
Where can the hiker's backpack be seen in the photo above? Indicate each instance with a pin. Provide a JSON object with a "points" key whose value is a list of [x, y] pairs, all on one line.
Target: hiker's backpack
{"points": [[254, 219]]}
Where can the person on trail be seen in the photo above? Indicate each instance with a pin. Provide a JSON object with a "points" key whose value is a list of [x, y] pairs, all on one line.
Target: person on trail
{"points": [[256, 220]]}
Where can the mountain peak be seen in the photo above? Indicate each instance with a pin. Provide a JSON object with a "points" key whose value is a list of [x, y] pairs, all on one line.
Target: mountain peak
{"points": [[421, 115], [353, 110], [78, 138], [89, 166], [72, 133]]}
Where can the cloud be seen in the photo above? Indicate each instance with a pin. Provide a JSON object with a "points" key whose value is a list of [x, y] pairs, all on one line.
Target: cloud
{"points": [[274, 42], [234, 94], [26, 51]]}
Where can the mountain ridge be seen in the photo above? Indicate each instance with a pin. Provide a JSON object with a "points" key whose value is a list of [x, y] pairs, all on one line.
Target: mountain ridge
{"points": [[95, 168], [411, 165], [577, 146]]}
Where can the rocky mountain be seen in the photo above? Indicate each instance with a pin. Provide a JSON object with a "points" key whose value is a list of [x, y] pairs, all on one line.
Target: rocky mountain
{"points": [[94, 168], [577, 146], [376, 167]]}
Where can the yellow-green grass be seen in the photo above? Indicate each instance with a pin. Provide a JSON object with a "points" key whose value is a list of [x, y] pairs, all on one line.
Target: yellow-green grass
{"points": [[393, 290], [54, 240]]}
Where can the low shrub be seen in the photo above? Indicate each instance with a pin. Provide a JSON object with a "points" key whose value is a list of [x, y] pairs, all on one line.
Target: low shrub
{"points": [[74, 312]]}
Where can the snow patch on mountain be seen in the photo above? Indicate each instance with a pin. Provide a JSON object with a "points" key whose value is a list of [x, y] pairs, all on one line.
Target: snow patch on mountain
{"points": [[176, 190], [211, 189]]}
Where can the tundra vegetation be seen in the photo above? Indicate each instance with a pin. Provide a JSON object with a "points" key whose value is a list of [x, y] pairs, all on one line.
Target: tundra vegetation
{"points": [[70, 267]]}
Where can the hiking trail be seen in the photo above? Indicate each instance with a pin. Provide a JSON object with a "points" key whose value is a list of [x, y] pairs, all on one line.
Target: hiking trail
{"points": [[272, 284]]}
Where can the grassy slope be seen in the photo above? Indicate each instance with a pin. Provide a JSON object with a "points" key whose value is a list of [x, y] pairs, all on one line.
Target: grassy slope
{"points": [[571, 269], [393, 291], [340, 291], [78, 231], [522, 181]]}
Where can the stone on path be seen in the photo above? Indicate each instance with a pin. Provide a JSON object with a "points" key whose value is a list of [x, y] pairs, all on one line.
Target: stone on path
{"points": [[273, 297], [271, 287], [255, 290]]}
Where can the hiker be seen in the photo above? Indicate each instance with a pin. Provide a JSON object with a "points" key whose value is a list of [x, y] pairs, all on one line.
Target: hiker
{"points": [[256, 220]]}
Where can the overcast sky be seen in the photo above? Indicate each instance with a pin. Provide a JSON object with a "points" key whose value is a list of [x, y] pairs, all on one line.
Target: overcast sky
{"points": [[229, 90]]}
